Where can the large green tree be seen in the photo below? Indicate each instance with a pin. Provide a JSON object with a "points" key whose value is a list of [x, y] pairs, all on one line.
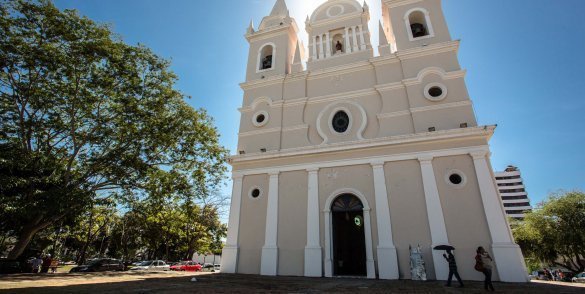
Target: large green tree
{"points": [[553, 233], [105, 114]]}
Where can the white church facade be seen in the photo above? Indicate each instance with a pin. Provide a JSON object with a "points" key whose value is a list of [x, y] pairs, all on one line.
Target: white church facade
{"points": [[344, 163]]}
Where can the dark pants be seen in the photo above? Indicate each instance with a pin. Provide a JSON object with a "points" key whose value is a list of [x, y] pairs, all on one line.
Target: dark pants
{"points": [[488, 279], [451, 273]]}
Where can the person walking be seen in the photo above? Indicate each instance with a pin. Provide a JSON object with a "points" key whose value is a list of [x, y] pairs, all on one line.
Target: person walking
{"points": [[46, 264], [452, 269], [36, 264], [484, 260]]}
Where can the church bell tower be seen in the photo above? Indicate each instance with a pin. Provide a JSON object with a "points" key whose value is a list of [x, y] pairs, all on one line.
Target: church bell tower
{"points": [[272, 45]]}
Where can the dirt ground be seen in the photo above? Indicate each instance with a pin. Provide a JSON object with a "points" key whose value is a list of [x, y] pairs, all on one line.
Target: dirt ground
{"points": [[177, 282]]}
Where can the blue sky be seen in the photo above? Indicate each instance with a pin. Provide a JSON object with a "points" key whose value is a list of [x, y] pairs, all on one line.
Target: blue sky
{"points": [[525, 61]]}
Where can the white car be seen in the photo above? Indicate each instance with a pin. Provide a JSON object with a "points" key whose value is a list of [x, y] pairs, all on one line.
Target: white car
{"points": [[152, 266], [579, 278]]}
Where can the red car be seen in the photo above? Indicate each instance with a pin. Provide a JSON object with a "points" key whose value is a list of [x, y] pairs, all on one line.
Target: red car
{"points": [[186, 266]]}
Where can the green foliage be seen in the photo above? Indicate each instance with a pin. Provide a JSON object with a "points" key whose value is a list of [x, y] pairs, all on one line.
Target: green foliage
{"points": [[102, 116], [553, 233]]}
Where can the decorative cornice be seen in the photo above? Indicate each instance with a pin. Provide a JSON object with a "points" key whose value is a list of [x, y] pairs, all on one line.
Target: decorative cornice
{"points": [[389, 86], [253, 84], [339, 70], [428, 50], [397, 3], [393, 114], [441, 106], [259, 132], [481, 131], [329, 21]]}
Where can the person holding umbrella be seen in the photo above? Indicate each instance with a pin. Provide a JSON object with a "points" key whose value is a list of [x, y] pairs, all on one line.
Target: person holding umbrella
{"points": [[452, 269], [452, 264]]}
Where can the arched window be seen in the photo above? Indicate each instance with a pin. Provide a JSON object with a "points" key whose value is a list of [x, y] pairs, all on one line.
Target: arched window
{"points": [[338, 44], [266, 57], [418, 24]]}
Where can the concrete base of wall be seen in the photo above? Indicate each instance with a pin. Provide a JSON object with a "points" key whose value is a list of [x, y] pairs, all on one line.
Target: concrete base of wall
{"points": [[313, 262], [510, 263], [229, 262], [387, 263], [269, 262]]}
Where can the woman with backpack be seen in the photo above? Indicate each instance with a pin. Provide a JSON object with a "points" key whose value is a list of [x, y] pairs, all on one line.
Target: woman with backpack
{"points": [[483, 263]]}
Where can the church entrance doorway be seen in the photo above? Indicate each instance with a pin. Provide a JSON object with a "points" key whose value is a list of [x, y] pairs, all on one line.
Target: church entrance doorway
{"points": [[349, 243]]}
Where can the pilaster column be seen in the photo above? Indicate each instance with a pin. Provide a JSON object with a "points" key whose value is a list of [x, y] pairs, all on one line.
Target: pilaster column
{"points": [[230, 250], [507, 255], [328, 259], [355, 42], [347, 43], [387, 258], [328, 45], [314, 47], [370, 264], [269, 262], [313, 259], [435, 215], [321, 50], [362, 40]]}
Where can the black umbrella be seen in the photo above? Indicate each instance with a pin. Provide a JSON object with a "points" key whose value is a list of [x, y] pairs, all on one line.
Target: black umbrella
{"points": [[444, 247]]}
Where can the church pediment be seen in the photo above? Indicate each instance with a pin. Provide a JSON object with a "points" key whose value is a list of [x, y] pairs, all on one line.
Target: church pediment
{"points": [[335, 9]]}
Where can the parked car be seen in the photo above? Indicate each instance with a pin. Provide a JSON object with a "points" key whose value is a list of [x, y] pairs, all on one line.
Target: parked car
{"points": [[100, 265], [186, 266], [10, 266], [152, 266], [579, 278]]}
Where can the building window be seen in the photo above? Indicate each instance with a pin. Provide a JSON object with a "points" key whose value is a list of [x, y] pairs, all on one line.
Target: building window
{"points": [[456, 178], [340, 122], [260, 118], [418, 24], [266, 56], [255, 192], [435, 91]]}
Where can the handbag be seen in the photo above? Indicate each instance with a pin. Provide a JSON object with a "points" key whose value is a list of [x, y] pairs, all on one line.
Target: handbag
{"points": [[478, 264]]}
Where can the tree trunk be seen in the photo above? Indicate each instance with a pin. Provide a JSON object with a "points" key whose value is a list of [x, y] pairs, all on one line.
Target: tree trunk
{"points": [[25, 237]]}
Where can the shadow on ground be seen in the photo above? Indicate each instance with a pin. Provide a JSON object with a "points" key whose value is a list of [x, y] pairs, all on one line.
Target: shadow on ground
{"points": [[226, 283]]}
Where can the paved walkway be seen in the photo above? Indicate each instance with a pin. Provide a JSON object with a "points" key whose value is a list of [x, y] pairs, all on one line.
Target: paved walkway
{"points": [[173, 282]]}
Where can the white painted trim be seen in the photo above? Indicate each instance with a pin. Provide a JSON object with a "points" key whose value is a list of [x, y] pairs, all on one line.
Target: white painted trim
{"points": [[480, 131], [429, 25], [264, 122], [313, 259], [393, 114], [359, 131], [371, 271], [434, 70], [259, 132], [458, 172], [335, 111], [269, 259], [398, 3], [230, 251], [441, 106], [387, 257], [341, 9], [325, 5], [259, 100], [435, 215], [440, 97], [258, 59], [252, 189]]}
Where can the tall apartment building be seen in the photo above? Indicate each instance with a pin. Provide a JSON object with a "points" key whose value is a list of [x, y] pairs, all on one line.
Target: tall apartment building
{"points": [[513, 192]]}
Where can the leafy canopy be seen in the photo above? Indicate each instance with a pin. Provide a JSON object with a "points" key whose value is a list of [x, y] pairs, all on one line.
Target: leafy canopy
{"points": [[553, 233], [105, 114]]}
